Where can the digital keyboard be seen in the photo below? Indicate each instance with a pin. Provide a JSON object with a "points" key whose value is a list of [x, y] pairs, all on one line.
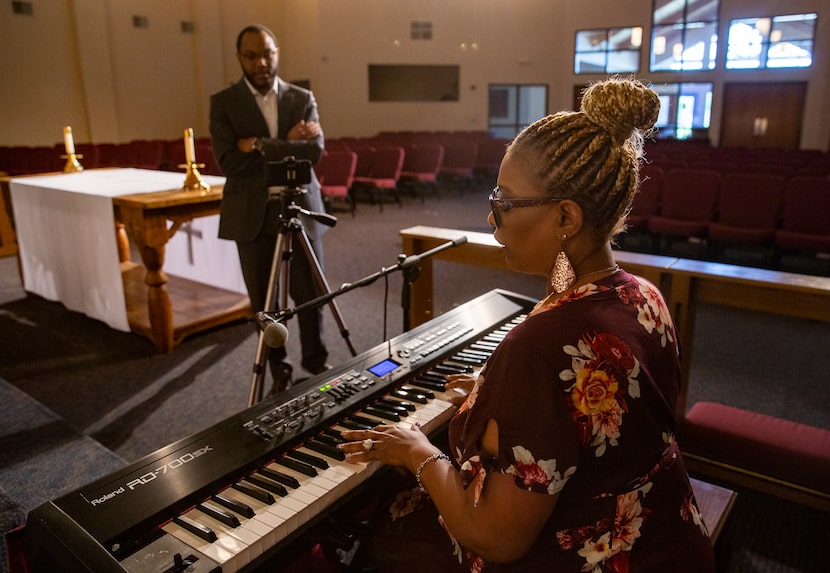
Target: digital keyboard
{"points": [[230, 497]]}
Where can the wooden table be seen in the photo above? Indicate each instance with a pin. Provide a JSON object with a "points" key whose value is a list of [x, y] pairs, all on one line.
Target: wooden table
{"points": [[163, 307], [194, 306]]}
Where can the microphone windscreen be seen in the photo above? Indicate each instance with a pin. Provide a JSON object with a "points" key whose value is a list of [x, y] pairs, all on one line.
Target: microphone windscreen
{"points": [[275, 335]]}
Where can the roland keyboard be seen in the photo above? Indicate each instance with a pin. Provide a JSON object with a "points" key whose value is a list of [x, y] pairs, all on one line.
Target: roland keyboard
{"points": [[231, 497]]}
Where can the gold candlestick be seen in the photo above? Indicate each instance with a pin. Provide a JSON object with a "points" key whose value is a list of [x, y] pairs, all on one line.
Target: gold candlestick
{"points": [[72, 163], [193, 179]]}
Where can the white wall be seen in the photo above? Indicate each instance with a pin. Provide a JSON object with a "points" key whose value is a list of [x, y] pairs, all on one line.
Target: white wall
{"points": [[81, 62]]}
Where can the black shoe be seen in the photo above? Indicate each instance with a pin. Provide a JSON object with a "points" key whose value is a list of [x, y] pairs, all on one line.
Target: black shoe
{"points": [[314, 370], [282, 378]]}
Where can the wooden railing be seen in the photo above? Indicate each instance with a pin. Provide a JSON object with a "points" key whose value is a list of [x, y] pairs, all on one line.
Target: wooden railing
{"points": [[684, 284]]}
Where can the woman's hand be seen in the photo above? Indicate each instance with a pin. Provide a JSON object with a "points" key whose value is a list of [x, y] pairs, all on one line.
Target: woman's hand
{"points": [[392, 445], [462, 384]]}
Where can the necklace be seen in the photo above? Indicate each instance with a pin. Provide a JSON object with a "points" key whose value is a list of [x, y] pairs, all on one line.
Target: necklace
{"points": [[611, 269]]}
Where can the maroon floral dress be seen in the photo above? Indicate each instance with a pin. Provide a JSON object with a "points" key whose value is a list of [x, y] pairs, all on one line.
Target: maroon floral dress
{"points": [[583, 392]]}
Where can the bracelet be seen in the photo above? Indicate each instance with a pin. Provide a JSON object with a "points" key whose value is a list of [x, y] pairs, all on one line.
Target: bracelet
{"points": [[434, 457]]}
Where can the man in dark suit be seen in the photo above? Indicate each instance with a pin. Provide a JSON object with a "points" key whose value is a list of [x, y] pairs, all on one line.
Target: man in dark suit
{"points": [[260, 119]]}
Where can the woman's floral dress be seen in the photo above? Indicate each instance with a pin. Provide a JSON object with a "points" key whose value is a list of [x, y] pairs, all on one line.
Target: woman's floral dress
{"points": [[583, 392]]}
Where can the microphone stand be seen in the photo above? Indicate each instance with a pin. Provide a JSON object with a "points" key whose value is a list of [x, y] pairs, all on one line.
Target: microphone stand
{"points": [[406, 265]]}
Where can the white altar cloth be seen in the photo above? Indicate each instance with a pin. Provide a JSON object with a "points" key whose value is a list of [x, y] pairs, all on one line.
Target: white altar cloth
{"points": [[65, 227]]}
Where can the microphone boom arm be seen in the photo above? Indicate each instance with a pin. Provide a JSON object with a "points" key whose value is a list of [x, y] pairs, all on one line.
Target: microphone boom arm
{"points": [[265, 317]]}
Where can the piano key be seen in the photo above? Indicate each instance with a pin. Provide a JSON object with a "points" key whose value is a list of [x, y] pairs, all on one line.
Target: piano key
{"points": [[330, 449], [365, 421], [381, 413], [449, 369], [267, 485], [427, 384], [196, 528], [397, 403], [254, 492], [218, 514], [410, 394], [235, 506], [279, 476], [420, 392], [297, 465], [308, 458]]}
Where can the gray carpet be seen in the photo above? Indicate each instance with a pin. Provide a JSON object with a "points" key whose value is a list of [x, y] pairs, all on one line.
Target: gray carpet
{"points": [[112, 393]]}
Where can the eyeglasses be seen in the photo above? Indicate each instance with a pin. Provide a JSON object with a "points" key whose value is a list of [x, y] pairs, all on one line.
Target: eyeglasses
{"points": [[499, 205]]}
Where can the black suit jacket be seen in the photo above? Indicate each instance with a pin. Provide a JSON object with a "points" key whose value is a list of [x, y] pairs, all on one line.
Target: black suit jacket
{"points": [[234, 115]]}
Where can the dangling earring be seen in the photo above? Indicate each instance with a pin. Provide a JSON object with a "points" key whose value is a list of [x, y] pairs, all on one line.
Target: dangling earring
{"points": [[563, 275]]}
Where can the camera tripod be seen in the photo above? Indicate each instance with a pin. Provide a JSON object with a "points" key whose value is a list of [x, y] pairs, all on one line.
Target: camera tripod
{"points": [[289, 231]]}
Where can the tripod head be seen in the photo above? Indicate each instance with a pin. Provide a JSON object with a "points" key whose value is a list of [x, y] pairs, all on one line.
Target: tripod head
{"points": [[291, 174]]}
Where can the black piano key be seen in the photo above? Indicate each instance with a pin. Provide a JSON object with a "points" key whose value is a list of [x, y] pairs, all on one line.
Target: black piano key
{"points": [[414, 396], [399, 406], [352, 425], [219, 515], [254, 492], [328, 440], [268, 485], [483, 347], [326, 449], [331, 434], [380, 413], [233, 505], [315, 461], [449, 369], [368, 422], [196, 529], [473, 352], [427, 384], [280, 477], [433, 376], [297, 465], [423, 392]]}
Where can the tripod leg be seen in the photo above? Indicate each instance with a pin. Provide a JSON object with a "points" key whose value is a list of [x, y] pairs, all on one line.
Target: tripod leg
{"points": [[282, 246], [324, 287]]}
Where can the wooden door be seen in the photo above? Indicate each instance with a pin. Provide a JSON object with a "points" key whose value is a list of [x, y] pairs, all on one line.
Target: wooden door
{"points": [[763, 114]]}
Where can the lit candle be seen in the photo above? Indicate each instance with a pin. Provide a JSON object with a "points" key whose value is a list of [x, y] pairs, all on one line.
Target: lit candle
{"points": [[189, 151], [68, 142]]}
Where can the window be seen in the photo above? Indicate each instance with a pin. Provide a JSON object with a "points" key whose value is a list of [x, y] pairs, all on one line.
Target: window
{"points": [[512, 107], [684, 35], [614, 50], [777, 42], [685, 109]]}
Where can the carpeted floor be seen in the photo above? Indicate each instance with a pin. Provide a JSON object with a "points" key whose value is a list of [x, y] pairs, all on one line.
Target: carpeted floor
{"points": [[115, 391]]}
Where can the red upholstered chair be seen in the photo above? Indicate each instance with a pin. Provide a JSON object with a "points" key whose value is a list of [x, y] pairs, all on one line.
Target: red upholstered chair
{"points": [[805, 223], [647, 201], [490, 153], [149, 154], [749, 210], [421, 166], [387, 163], [91, 155], [336, 171], [687, 206], [459, 162]]}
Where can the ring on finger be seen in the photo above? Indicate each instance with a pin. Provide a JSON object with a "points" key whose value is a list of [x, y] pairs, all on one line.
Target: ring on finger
{"points": [[368, 445]]}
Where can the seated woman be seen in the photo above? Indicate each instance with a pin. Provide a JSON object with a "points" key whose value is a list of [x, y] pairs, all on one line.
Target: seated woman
{"points": [[563, 453]]}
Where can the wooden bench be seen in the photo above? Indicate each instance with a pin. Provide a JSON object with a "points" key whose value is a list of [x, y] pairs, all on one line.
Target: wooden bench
{"points": [[764, 453]]}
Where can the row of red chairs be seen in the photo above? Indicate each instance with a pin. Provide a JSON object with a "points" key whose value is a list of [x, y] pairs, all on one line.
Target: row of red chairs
{"points": [[166, 155], [381, 166], [745, 209]]}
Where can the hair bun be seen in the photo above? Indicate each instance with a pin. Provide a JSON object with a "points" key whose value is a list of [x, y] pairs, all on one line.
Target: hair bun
{"points": [[619, 106]]}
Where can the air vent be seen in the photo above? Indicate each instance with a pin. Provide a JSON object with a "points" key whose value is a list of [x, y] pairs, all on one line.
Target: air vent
{"points": [[23, 8], [141, 22], [188, 27], [421, 30]]}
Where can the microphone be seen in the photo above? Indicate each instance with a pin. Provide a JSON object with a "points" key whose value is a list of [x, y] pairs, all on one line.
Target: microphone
{"points": [[413, 260], [274, 332]]}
